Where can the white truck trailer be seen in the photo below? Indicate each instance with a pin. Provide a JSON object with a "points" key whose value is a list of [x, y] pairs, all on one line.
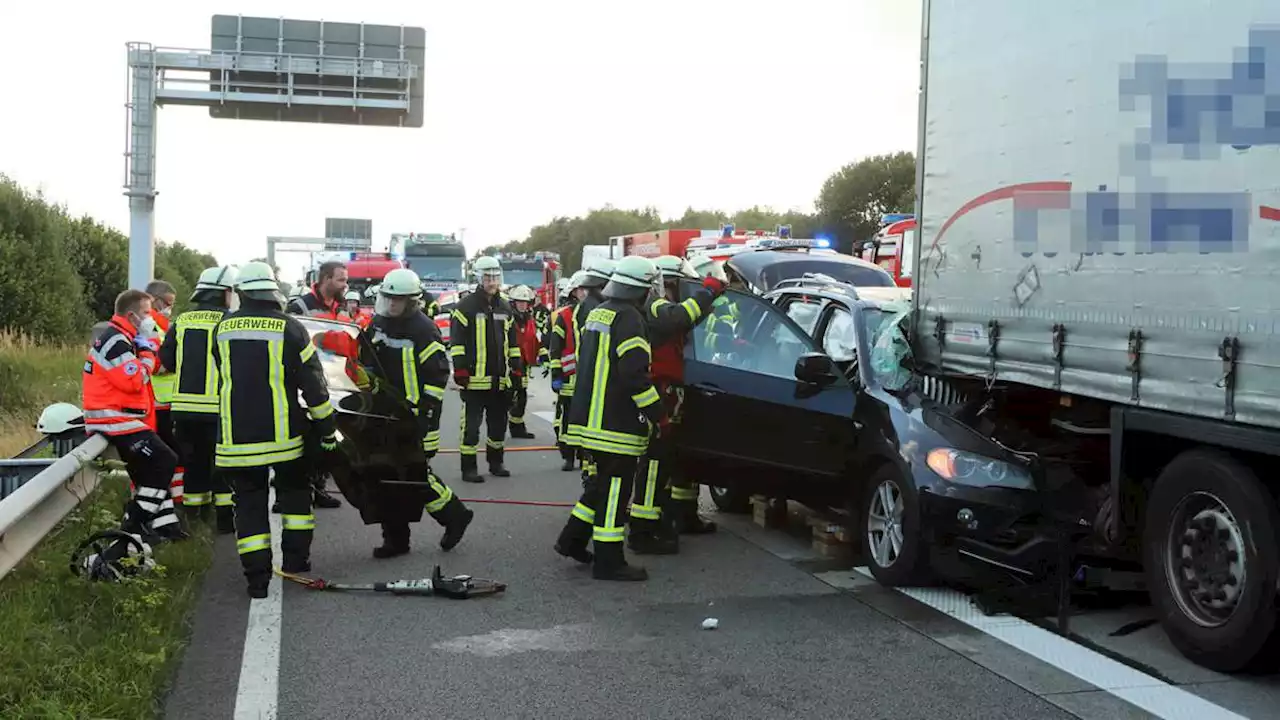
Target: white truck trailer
{"points": [[1099, 257]]}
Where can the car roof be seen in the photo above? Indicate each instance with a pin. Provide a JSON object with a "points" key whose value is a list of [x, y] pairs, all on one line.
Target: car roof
{"points": [[753, 264], [844, 293]]}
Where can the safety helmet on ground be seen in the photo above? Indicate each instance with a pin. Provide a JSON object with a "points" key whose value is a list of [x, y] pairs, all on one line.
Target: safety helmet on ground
{"points": [[60, 417], [597, 272], [633, 278], [217, 278], [487, 266], [522, 293], [257, 281], [706, 266], [399, 295], [673, 267]]}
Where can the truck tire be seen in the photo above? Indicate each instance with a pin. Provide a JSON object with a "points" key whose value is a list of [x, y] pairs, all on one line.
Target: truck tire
{"points": [[730, 500], [1211, 559], [890, 510]]}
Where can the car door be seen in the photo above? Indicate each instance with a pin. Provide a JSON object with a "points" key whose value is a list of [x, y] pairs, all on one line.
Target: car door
{"points": [[744, 405]]}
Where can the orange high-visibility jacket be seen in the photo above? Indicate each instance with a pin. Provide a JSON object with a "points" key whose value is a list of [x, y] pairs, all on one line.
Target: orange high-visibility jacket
{"points": [[117, 382]]}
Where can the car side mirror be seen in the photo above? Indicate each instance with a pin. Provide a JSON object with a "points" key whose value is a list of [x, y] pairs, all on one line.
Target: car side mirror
{"points": [[816, 369]]}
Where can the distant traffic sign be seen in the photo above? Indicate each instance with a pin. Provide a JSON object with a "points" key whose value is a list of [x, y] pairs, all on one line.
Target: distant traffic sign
{"points": [[316, 71], [348, 234]]}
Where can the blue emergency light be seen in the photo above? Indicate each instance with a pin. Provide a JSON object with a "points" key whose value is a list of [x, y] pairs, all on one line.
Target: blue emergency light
{"points": [[821, 242], [726, 230], [784, 231]]}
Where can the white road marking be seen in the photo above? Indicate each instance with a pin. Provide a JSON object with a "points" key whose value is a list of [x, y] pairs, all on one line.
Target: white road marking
{"points": [[1137, 688], [258, 692]]}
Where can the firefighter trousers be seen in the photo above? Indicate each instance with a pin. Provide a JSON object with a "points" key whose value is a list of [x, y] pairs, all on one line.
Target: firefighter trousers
{"points": [[491, 406], [562, 427], [253, 524], [519, 402], [598, 515], [652, 492], [206, 484], [165, 429], [150, 463]]}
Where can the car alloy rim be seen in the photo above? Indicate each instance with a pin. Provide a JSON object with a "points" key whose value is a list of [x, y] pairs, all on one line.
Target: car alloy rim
{"points": [[884, 524], [1205, 559]]}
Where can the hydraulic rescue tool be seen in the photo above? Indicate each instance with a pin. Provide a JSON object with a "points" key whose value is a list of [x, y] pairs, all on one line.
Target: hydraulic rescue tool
{"points": [[459, 587]]}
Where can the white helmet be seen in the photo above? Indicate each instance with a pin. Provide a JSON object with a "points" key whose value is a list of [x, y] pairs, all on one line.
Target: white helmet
{"points": [[257, 281], [60, 417], [522, 293], [351, 295], [487, 266], [673, 267], [577, 280], [217, 278], [597, 272], [563, 286], [399, 295], [706, 266], [372, 292], [634, 277]]}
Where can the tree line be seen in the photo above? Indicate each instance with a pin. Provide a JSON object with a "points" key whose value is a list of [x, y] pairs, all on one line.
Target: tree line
{"points": [[59, 274], [847, 210]]}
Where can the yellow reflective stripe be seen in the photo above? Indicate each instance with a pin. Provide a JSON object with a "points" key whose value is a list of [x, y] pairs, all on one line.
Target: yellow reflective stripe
{"points": [[253, 543], [558, 329], [457, 351], [224, 396], [307, 351], [495, 444], [692, 308], [430, 350], [480, 383], [321, 411], [646, 398], [431, 442], [457, 315], [279, 396], [258, 460], [555, 363], [223, 500], [584, 513], [409, 367], [595, 413], [513, 352], [434, 391], [482, 347], [445, 494], [610, 530], [298, 522], [635, 343], [196, 499], [257, 448]]}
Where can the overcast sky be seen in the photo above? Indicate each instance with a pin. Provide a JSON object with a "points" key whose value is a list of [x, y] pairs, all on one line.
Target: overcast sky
{"points": [[533, 109]]}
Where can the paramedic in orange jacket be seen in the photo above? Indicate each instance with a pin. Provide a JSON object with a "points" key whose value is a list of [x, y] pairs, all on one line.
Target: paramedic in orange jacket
{"points": [[119, 405], [531, 352]]}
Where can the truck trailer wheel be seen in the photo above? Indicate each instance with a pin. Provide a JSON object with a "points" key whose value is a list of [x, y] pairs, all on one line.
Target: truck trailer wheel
{"points": [[1211, 559]]}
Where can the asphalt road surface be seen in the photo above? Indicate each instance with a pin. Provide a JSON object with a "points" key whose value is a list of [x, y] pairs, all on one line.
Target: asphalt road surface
{"points": [[792, 640]]}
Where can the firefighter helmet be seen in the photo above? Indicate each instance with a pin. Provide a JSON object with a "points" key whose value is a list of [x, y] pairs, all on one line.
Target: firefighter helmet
{"points": [[576, 281], [522, 293], [673, 267], [351, 295], [217, 278], [705, 266], [597, 272], [487, 266], [633, 278], [60, 417], [401, 282], [257, 281], [563, 287]]}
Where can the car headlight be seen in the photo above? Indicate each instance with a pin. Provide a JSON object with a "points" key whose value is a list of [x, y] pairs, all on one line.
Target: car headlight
{"points": [[966, 468]]}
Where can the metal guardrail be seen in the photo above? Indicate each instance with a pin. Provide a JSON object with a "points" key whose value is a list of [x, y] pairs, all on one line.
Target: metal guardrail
{"points": [[37, 505]]}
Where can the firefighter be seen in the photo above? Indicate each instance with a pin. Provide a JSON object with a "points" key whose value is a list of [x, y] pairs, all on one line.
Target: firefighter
{"points": [[654, 521], [486, 363], [188, 349], [596, 275], [265, 360], [563, 362], [615, 412], [408, 348], [154, 328], [324, 301], [531, 353], [118, 404], [352, 300], [325, 298]]}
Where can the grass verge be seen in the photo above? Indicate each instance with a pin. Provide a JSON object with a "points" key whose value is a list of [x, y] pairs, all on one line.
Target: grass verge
{"points": [[32, 376], [74, 649]]}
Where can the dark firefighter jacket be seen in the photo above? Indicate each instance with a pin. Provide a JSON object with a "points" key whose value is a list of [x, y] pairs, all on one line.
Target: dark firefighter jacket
{"points": [[264, 359], [412, 356], [615, 403], [188, 349], [483, 343]]}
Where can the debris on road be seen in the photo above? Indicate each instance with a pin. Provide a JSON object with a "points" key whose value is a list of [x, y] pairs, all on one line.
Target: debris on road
{"points": [[710, 624]]}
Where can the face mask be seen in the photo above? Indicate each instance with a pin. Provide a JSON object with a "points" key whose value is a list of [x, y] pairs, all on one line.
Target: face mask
{"points": [[167, 311]]}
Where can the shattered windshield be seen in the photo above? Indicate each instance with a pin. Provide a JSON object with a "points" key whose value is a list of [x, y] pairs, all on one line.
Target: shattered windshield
{"points": [[889, 346]]}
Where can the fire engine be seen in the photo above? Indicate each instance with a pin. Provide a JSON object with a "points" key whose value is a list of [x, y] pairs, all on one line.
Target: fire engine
{"points": [[439, 260], [540, 271], [364, 269], [893, 246]]}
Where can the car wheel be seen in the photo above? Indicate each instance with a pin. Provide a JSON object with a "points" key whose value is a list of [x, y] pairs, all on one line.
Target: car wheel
{"points": [[730, 500], [892, 543], [1211, 559]]}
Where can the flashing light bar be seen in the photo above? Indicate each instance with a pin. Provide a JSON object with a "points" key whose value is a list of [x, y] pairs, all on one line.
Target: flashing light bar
{"points": [[784, 231], [727, 230]]}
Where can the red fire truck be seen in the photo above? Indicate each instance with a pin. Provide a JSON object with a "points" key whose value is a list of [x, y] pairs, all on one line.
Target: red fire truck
{"points": [[364, 269], [540, 271], [893, 247]]}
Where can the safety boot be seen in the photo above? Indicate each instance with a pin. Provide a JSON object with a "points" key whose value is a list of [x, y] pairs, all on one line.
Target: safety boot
{"points": [[293, 564], [258, 585], [454, 518], [521, 432], [320, 496], [611, 564], [572, 545], [650, 541], [496, 468], [470, 471], [566, 454], [689, 522], [225, 518], [395, 541]]}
